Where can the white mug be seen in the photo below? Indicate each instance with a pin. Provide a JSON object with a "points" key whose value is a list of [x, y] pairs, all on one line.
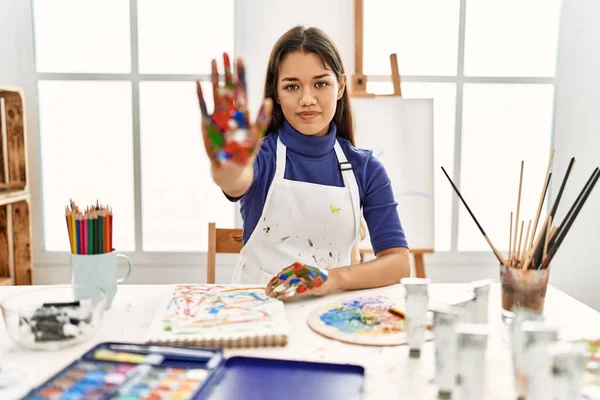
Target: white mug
{"points": [[92, 271]]}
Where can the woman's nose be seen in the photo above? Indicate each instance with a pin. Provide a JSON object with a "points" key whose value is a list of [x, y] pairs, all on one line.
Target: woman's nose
{"points": [[307, 98]]}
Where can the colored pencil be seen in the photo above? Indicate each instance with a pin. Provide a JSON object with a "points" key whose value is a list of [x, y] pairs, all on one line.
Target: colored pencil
{"points": [[100, 234], [89, 231], [91, 228], [85, 234]]}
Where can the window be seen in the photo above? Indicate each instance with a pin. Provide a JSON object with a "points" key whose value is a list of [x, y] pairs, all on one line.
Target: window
{"points": [[493, 90], [115, 82]]}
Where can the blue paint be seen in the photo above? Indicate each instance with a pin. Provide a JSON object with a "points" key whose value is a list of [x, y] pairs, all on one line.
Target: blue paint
{"points": [[283, 277], [312, 273], [323, 275], [357, 315], [215, 309], [347, 320], [370, 302], [240, 119], [293, 281]]}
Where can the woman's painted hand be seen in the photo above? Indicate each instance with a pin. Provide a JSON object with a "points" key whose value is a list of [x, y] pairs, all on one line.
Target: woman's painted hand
{"points": [[231, 141], [299, 280]]}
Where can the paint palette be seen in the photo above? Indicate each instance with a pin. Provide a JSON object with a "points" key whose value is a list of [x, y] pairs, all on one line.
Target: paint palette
{"points": [[369, 321], [123, 371], [127, 371]]}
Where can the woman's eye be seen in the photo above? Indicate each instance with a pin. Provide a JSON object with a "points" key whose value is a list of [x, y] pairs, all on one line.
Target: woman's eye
{"points": [[291, 87], [321, 84]]}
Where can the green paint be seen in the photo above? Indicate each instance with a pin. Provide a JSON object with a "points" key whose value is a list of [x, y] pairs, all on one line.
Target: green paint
{"points": [[215, 136]]}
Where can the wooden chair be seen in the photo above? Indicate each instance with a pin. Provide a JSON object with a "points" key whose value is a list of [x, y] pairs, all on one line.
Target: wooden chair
{"points": [[220, 240]]}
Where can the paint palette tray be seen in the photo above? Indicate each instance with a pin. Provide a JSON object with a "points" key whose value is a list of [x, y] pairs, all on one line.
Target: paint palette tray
{"points": [[114, 370]]}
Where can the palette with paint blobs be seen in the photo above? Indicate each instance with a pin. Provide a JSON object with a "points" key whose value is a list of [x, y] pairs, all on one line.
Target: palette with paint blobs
{"points": [[126, 371]]}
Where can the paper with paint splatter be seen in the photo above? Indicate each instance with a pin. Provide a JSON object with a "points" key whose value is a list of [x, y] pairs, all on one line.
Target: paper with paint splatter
{"points": [[210, 314]]}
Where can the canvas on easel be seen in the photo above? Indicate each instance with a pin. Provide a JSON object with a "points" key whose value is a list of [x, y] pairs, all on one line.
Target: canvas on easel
{"points": [[400, 133]]}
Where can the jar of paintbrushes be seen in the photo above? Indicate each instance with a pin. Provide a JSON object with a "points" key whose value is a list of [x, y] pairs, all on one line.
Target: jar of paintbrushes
{"points": [[525, 270]]}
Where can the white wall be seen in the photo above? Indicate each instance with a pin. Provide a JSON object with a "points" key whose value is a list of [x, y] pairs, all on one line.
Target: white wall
{"points": [[9, 64], [576, 268]]}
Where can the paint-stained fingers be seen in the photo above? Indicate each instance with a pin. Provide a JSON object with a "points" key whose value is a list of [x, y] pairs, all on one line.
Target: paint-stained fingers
{"points": [[280, 288], [201, 102], [260, 126], [228, 76], [271, 285], [215, 84], [240, 91], [289, 293], [263, 119], [207, 145]]}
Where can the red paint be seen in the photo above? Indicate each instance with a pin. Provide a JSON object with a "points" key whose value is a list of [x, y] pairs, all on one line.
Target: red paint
{"points": [[301, 289]]}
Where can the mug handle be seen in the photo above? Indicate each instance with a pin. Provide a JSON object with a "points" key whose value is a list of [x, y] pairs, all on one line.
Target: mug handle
{"points": [[129, 269]]}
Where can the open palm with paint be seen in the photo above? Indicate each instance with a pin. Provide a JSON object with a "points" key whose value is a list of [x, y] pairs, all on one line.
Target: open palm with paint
{"points": [[296, 280], [231, 141]]}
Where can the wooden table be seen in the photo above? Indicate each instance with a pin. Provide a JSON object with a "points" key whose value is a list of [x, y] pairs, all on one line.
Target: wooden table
{"points": [[390, 373]]}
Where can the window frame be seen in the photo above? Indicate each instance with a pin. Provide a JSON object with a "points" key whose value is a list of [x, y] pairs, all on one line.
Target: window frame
{"points": [[29, 78], [460, 80]]}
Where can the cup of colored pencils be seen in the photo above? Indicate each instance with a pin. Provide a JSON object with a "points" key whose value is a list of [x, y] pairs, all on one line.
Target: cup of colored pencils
{"points": [[524, 272], [90, 230]]}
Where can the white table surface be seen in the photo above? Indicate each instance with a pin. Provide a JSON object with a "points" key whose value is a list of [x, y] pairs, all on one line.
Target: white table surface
{"points": [[389, 372]]}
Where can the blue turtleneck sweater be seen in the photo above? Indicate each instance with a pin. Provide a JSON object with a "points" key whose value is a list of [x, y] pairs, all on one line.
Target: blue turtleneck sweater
{"points": [[312, 159]]}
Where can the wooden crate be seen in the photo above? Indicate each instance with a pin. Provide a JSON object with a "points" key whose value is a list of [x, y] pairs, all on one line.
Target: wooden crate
{"points": [[15, 222]]}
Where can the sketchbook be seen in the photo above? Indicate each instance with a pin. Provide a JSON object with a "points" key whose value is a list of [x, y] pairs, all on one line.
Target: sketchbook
{"points": [[220, 316]]}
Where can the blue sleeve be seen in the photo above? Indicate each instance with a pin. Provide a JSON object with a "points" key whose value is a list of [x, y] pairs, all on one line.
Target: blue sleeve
{"points": [[380, 209]]}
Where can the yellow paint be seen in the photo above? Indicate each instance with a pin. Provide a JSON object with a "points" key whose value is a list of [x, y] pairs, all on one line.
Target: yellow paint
{"points": [[334, 209]]}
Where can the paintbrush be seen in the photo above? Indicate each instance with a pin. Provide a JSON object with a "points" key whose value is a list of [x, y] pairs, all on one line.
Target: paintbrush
{"points": [[496, 252], [537, 255], [564, 227]]}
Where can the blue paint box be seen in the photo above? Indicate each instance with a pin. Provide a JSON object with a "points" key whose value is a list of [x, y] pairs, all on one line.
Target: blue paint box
{"points": [[115, 370]]}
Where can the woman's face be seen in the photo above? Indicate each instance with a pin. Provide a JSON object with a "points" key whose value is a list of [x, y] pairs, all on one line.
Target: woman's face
{"points": [[308, 91]]}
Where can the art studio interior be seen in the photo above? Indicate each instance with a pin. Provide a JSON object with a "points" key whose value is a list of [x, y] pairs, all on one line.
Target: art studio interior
{"points": [[364, 199]]}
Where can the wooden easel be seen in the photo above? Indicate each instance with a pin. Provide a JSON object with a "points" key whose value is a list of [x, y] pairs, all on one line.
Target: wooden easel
{"points": [[359, 89], [359, 80]]}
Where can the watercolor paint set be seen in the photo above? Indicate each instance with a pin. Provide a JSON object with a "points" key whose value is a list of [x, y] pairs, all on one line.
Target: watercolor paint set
{"points": [[115, 370]]}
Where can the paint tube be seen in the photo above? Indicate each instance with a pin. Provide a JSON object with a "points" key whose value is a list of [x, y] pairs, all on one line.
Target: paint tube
{"points": [[568, 369], [472, 342], [539, 337], [416, 312], [445, 319], [518, 343], [479, 306]]}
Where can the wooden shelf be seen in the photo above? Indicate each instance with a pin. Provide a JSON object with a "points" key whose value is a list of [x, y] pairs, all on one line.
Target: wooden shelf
{"points": [[16, 265], [13, 196]]}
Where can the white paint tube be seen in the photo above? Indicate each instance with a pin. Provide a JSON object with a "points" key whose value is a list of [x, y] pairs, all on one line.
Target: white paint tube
{"points": [[445, 319], [479, 306], [568, 369], [472, 342], [416, 299], [518, 344], [539, 337]]}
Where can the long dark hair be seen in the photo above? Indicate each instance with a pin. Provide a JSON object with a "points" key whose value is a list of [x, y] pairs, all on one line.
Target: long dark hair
{"points": [[308, 40]]}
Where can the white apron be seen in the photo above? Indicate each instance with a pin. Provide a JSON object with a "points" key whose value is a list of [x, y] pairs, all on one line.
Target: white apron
{"points": [[306, 222]]}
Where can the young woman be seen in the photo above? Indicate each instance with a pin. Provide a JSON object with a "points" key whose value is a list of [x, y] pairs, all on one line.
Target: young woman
{"points": [[301, 194]]}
